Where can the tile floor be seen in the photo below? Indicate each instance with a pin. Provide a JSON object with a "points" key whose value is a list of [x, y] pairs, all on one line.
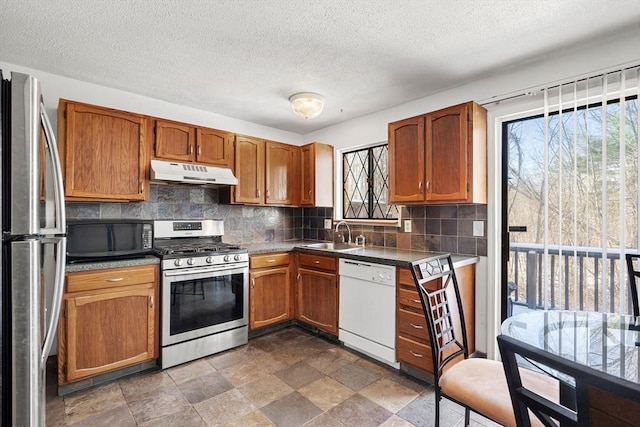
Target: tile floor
{"points": [[287, 378]]}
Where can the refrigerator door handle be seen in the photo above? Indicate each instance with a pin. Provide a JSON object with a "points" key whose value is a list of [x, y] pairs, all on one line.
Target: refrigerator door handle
{"points": [[60, 225], [58, 290]]}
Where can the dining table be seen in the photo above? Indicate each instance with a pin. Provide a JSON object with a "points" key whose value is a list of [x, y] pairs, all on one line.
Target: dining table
{"points": [[605, 342]]}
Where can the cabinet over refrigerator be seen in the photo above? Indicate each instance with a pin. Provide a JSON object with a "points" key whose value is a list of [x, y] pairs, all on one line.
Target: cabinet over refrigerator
{"points": [[33, 248]]}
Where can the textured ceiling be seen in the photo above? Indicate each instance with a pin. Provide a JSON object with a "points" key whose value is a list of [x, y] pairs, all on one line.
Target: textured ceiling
{"points": [[244, 59]]}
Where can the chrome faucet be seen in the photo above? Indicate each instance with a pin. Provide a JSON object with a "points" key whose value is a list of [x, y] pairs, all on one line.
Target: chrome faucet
{"points": [[348, 229]]}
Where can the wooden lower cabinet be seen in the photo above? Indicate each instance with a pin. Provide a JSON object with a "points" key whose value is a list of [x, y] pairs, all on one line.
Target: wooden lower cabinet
{"points": [[412, 336], [317, 292], [109, 321], [270, 290]]}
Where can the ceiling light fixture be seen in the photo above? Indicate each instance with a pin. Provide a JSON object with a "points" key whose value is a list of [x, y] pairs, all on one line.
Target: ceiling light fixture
{"points": [[307, 105]]}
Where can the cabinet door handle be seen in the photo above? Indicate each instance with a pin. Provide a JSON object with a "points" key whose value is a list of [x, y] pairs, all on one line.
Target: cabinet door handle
{"points": [[428, 186], [268, 194], [416, 326], [190, 149], [420, 185], [116, 279], [199, 149], [151, 301], [253, 283], [271, 260], [298, 277], [257, 192], [316, 262], [415, 354], [416, 301]]}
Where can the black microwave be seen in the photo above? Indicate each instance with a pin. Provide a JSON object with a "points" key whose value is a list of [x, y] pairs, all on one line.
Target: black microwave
{"points": [[102, 240]]}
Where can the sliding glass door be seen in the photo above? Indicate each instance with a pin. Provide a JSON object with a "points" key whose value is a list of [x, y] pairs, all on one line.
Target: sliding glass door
{"points": [[570, 197]]}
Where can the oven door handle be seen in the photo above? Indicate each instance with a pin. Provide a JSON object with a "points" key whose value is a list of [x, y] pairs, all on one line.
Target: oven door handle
{"points": [[191, 271]]}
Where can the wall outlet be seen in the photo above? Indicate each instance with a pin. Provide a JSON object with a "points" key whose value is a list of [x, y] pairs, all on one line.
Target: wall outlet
{"points": [[327, 224], [407, 226], [478, 228]]}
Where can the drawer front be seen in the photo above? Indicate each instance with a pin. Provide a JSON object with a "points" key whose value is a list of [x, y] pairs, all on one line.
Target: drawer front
{"points": [[111, 278], [409, 299], [415, 354], [405, 281], [315, 261], [414, 326], [272, 260]]}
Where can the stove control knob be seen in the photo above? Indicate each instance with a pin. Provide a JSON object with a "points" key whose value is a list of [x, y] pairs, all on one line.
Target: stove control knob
{"points": [[209, 260], [236, 257], [227, 258], [177, 262], [191, 261]]}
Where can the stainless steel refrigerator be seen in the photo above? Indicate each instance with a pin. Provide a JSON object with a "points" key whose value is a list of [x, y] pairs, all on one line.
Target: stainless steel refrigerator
{"points": [[33, 248]]}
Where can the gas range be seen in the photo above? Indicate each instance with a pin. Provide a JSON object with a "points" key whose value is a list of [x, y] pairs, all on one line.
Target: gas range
{"points": [[205, 290], [195, 243]]}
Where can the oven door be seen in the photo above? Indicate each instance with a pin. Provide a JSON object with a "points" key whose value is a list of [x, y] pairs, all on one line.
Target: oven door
{"points": [[197, 302]]}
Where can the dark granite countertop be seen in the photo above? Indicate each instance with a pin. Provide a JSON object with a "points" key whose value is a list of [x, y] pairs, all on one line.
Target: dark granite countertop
{"points": [[374, 254], [86, 266]]}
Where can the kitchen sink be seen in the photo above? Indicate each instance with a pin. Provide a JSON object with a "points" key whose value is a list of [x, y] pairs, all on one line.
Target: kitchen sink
{"points": [[329, 246]]}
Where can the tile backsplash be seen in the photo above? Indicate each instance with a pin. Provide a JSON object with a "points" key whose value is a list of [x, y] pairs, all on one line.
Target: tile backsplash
{"points": [[447, 228], [242, 223]]}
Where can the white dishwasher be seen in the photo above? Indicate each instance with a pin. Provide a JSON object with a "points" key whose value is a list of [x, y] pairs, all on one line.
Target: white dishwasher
{"points": [[367, 314]]}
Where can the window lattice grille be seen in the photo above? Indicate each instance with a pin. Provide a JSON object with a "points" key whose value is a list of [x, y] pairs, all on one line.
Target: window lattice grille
{"points": [[365, 184]]}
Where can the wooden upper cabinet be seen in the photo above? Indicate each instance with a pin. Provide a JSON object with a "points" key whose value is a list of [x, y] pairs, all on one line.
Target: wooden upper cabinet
{"points": [[103, 152], [316, 173], [279, 167], [440, 157], [175, 141], [214, 147], [249, 169], [456, 154], [186, 143], [406, 160]]}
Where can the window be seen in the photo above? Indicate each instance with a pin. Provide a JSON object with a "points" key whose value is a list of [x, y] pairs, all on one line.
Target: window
{"points": [[365, 184]]}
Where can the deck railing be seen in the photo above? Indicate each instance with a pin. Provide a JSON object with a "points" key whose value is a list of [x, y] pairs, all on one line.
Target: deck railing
{"points": [[575, 278]]}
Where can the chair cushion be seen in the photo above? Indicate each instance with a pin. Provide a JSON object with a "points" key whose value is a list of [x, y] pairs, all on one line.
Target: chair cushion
{"points": [[481, 385]]}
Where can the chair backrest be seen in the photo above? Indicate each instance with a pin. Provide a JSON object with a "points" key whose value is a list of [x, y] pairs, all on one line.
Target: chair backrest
{"points": [[577, 406], [634, 278], [437, 308]]}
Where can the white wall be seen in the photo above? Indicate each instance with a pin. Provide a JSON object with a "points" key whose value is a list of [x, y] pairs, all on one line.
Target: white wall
{"points": [[589, 59], [611, 52], [55, 87]]}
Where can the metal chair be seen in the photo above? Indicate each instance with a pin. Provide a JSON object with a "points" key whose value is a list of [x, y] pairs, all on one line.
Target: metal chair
{"points": [[634, 274], [475, 383], [587, 397], [478, 384]]}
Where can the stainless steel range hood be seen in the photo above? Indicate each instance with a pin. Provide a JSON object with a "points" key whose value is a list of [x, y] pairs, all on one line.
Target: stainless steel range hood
{"points": [[189, 173]]}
